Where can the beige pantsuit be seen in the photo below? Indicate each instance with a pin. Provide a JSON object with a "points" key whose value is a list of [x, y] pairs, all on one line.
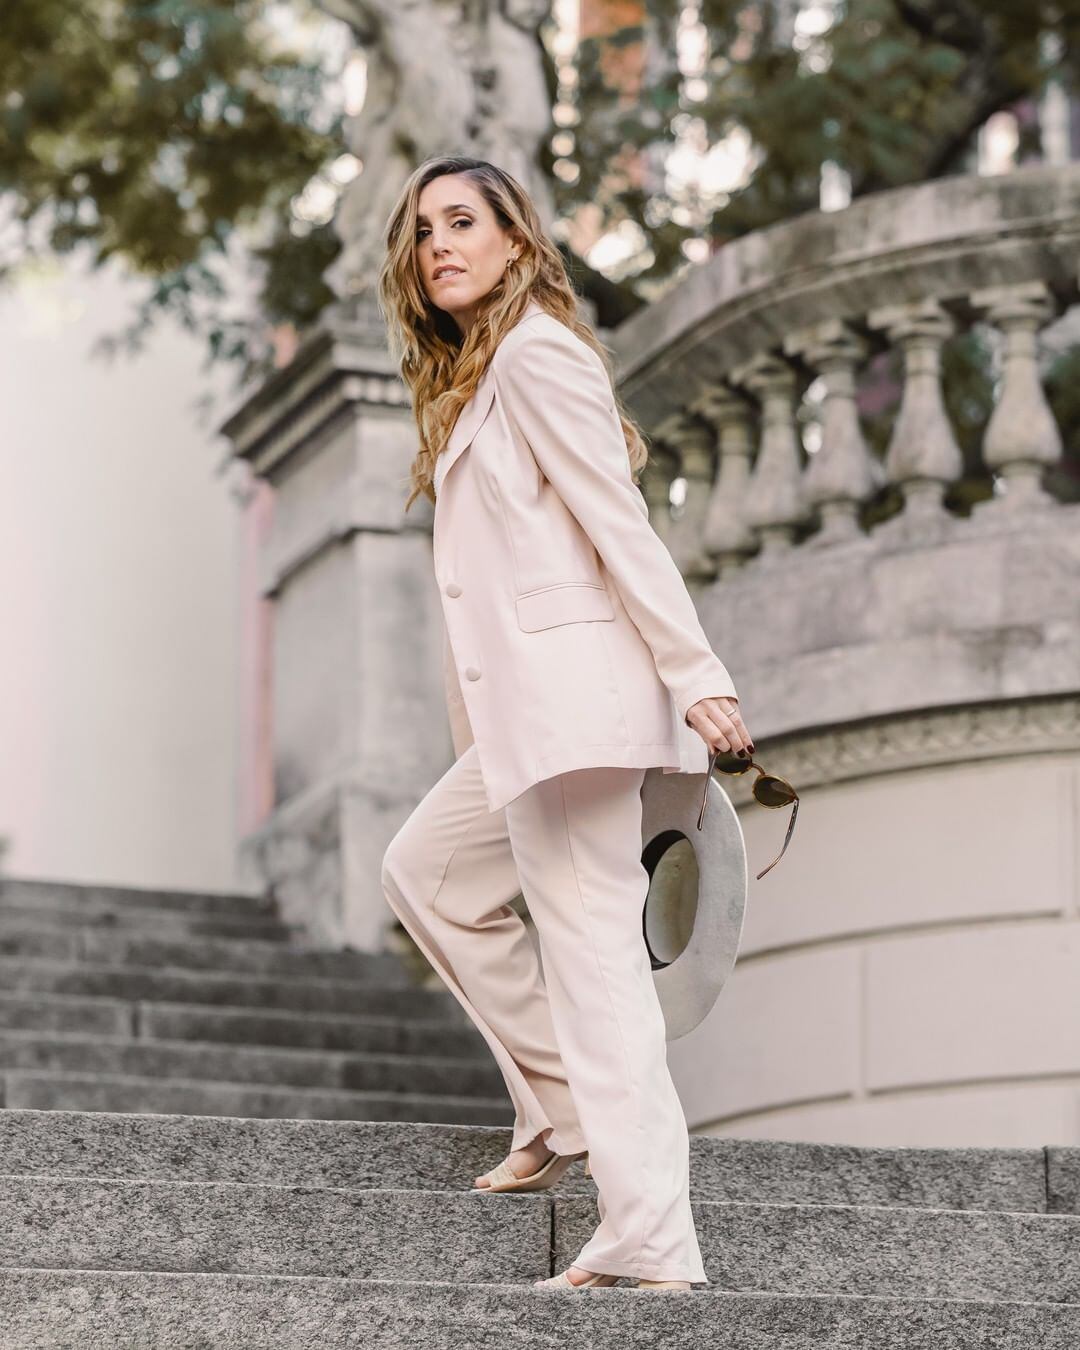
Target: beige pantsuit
{"points": [[581, 1044], [572, 653]]}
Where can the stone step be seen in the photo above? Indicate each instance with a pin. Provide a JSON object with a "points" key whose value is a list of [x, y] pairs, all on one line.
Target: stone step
{"points": [[868, 1250], [140, 919], [316, 1031], [238, 1026], [24, 892], [446, 1157], [100, 1310], [118, 1056], [249, 956], [157, 1225], [427, 1235], [47, 1091], [59, 1012], [43, 1013], [174, 985]]}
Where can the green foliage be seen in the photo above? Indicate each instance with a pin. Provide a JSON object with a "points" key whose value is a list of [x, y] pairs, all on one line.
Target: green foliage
{"points": [[151, 131], [893, 92]]}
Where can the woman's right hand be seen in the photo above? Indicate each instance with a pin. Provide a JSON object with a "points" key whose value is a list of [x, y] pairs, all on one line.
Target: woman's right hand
{"points": [[719, 724]]}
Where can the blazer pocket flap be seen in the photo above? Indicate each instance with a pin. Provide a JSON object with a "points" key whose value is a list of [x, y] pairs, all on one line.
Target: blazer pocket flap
{"points": [[570, 603]]}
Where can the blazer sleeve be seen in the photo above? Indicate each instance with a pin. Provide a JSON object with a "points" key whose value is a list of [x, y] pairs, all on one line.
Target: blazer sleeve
{"points": [[557, 392]]}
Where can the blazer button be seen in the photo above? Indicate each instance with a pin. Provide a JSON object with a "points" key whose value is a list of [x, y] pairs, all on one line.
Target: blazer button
{"points": [[453, 589], [471, 673]]}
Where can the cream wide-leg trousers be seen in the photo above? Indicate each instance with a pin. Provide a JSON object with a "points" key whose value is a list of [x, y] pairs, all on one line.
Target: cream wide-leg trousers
{"points": [[581, 1044]]}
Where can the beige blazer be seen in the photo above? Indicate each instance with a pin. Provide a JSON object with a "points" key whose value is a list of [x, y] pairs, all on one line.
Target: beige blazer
{"points": [[570, 638]]}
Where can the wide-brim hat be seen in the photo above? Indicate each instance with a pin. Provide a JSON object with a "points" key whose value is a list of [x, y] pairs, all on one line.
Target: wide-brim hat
{"points": [[693, 915]]}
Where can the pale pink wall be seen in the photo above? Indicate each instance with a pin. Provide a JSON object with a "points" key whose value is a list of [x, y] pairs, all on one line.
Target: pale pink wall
{"points": [[118, 596]]}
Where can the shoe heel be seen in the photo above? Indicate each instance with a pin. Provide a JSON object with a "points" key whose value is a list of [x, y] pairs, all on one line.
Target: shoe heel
{"points": [[588, 1169], [682, 1285]]}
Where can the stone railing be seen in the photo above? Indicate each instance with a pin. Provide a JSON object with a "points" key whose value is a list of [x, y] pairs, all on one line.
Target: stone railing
{"points": [[714, 370]]}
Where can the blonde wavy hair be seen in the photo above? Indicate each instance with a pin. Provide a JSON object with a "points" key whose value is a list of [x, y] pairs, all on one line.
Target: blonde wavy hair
{"points": [[442, 369]]}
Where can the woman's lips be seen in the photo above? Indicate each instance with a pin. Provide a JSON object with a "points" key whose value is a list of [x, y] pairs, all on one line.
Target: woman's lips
{"points": [[448, 276]]}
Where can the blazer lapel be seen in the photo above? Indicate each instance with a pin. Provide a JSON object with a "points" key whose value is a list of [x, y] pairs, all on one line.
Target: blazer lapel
{"points": [[471, 416], [468, 420]]}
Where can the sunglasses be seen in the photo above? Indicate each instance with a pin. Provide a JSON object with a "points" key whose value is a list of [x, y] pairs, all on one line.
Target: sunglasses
{"points": [[768, 790]]}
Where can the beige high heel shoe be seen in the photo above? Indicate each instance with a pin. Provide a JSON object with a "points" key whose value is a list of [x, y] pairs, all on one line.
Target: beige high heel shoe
{"points": [[683, 1286], [501, 1178], [563, 1281]]}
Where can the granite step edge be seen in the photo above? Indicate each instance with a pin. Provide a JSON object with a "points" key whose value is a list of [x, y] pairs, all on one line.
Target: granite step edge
{"points": [[144, 1008], [232, 1144], [241, 954], [255, 1065], [196, 976], [139, 921], [257, 1311], [209, 1086], [21, 890]]}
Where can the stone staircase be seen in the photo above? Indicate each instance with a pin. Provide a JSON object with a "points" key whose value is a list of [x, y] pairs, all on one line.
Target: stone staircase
{"points": [[115, 999], [150, 1198]]}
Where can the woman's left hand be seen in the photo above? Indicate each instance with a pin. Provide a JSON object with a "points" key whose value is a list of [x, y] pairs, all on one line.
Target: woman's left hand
{"points": [[719, 724]]}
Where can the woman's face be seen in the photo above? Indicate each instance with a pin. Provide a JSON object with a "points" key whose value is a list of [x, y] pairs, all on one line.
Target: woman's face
{"points": [[456, 229]]}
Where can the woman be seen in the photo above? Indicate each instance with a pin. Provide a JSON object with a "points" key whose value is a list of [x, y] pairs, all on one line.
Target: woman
{"points": [[582, 659]]}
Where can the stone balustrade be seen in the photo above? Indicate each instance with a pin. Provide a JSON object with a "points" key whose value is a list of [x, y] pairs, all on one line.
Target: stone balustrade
{"points": [[715, 369]]}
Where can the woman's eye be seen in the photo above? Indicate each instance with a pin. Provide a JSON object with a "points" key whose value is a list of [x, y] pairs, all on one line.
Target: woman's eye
{"points": [[462, 220]]}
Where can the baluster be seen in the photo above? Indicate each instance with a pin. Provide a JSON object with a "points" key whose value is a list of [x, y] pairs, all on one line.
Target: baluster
{"points": [[923, 457], [727, 539], [1022, 436], [655, 484], [692, 441], [773, 502], [843, 473]]}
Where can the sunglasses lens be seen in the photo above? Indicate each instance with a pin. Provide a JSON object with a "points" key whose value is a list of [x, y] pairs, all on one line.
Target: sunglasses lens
{"points": [[773, 791], [729, 763]]}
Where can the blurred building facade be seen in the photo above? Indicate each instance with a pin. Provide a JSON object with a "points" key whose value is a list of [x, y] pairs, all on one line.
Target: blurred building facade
{"points": [[118, 586]]}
